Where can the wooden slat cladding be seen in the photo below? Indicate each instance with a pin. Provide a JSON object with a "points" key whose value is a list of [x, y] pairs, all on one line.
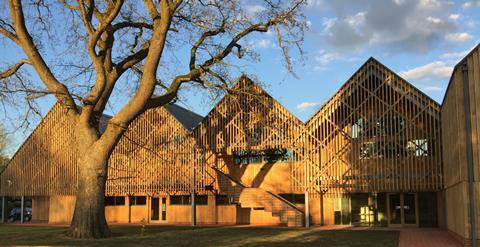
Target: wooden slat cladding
{"points": [[45, 163], [156, 155], [453, 120], [455, 149], [249, 120], [377, 133]]}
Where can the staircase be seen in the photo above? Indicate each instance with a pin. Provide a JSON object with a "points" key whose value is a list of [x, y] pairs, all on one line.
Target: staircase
{"points": [[248, 197], [288, 213]]}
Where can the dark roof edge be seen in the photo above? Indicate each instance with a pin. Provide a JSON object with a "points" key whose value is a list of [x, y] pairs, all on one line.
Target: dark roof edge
{"points": [[191, 125], [462, 61]]}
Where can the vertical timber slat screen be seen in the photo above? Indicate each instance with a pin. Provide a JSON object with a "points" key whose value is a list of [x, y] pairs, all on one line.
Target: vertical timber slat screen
{"points": [[377, 133], [155, 155], [45, 163], [250, 121]]}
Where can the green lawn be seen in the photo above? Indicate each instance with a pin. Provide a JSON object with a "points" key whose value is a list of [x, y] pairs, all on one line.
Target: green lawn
{"points": [[201, 236]]}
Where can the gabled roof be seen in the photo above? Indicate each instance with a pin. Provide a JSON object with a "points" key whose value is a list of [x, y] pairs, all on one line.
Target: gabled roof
{"points": [[187, 118], [363, 69], [243, 85], [458, 66]]}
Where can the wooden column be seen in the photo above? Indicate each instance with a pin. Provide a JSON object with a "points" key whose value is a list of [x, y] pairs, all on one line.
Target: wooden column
{"points": [[307, 209], [192, 200], [22, 210], [129, 209], [3, 210], [194, 211]]}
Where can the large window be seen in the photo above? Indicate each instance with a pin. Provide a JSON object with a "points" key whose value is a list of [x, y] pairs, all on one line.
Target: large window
{"points": [[224, 200], [138, 200], [186, 200], [245, 157], [369, 150], [357, 128], [341, 209], [418, 147], [377, 126], [393, 149], [114, 201]]}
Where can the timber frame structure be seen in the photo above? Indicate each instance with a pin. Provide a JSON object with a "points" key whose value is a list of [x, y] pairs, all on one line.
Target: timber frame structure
{"points": [[371, 155]]}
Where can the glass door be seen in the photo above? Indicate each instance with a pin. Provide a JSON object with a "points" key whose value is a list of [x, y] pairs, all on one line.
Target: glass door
{"points": [[154, 209], [395, 209], [164, 208], [402, 209], [409, 209]]}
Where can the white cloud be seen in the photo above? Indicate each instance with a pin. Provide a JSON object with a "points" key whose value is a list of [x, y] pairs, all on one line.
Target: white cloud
{"points": [[455, 56], [434, 4], [328, 23], [356, 20], [305, 105], [454, 16], [458, 37], [471, 24], [433, 70], [434, 20], [406, 25], [432, 89], [262, 44], [252, 10], [315, 3], [324, 58], [471, 4]]}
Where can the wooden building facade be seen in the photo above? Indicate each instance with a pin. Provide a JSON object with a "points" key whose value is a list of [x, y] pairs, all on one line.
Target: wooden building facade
{"points": [[461, 150], [375, 152], [372, 155]]}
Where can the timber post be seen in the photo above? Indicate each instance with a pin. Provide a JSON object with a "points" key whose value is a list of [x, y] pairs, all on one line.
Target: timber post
{"points": [[192, 200], [22, 210], [3, 210], [307, 209]]}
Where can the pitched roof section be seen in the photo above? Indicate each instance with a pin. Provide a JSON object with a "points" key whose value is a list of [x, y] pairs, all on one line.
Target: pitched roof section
{"points": [[249, 118], [187, 118], [407, 86], [459, 66]]}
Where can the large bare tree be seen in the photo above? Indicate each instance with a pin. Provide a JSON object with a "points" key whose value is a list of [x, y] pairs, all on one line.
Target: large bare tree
{"points": [[129, 43]]}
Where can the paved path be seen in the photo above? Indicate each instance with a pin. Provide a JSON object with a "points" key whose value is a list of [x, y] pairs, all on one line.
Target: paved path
{"points": [[422, 237]]}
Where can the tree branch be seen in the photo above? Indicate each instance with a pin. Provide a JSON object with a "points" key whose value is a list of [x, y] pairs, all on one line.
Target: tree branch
{"points": [[26, 43], [151, 9], [193, 51], [125, 24], [13, 69], [9, 34]]}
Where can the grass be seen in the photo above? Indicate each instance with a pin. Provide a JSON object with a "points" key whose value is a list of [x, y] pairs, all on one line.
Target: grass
{"points": [[200, 236]]}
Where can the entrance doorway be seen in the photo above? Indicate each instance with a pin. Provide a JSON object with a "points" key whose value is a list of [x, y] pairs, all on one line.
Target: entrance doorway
{"points": [[164, 209], [154, 209], [158, 209], [402, 209]]}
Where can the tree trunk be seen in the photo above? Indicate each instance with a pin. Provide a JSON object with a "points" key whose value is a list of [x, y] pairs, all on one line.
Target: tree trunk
{"points": [[89, 215]]}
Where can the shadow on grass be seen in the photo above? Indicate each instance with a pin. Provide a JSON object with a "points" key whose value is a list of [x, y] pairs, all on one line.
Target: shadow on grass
{"points": [[201, 236]]}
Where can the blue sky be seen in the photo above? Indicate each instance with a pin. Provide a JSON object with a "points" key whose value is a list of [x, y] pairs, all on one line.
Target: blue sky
{"points": [[419, 39]]}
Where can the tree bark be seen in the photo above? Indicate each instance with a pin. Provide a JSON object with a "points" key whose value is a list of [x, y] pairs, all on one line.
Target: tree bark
{"points": [[89, 215]]}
